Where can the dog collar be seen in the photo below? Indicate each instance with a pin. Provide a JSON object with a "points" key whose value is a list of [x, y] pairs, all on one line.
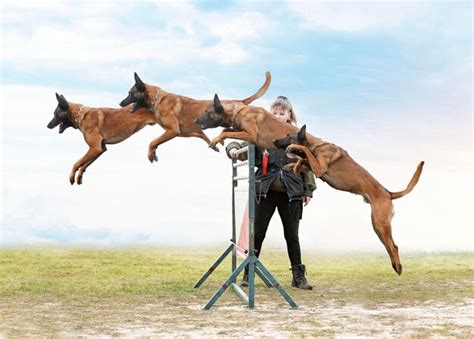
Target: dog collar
{"points": [[157, 99], [232, 121], [78, 118]]}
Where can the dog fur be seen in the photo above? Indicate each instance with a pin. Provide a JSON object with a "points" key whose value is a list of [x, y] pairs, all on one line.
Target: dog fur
{"points": [[243, 122], [177, 113], [333, 165], [100, 126]]}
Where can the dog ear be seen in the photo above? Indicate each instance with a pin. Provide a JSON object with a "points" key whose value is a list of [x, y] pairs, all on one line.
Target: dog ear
{"points": [[62, 102], [217, 105], [302, 134], [139, 83]]}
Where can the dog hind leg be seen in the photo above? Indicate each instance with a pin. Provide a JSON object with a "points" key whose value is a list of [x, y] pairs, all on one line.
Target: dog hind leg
{"points": [[381, 221]]}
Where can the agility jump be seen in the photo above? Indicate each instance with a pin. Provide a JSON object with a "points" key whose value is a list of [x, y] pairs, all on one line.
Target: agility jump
{"points": [[255, 266]]}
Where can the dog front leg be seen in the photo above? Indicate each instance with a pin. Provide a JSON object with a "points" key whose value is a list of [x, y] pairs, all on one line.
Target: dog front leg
{"points": [[240, 135], [168, 135], [202, 136], [83, 168], [93, 153], [318, 165], [300, 166]]}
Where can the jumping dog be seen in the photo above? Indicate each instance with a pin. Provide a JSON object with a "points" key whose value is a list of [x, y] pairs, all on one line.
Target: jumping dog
{"points": [[100, 126], [333, 165], [243, 122], [176, 113]]}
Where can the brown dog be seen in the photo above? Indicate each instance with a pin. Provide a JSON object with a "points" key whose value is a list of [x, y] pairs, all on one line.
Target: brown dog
{"points": [[249, 123], [333, 165], [176, 113], [100, 126], [327, 161]]}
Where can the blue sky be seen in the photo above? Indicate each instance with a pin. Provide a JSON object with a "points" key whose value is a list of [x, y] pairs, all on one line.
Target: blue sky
{"points": [[391, 82]]}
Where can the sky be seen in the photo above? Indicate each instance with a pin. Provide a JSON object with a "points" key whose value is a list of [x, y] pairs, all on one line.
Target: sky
{"points": [[390, 82]]}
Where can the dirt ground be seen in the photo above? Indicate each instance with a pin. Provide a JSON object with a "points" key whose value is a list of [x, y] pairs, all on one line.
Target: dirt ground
{"points": [[227, 318]]}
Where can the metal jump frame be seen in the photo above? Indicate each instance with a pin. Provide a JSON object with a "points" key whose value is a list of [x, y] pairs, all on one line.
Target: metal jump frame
{"points": [[255, 266]]}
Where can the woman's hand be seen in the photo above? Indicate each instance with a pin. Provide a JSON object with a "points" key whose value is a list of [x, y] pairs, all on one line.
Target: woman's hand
{"points": [[306, 200], [233, 153]]}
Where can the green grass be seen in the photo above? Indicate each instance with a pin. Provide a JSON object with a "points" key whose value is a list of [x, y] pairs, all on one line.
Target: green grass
{"points": [[67, 273], [91, 289]]}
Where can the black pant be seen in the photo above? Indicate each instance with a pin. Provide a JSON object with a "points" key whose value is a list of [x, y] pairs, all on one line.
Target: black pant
{"points": [[290, 214]]}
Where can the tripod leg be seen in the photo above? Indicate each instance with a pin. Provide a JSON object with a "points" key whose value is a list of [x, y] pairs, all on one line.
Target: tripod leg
{"points": [[221, 290], [213, 267]]}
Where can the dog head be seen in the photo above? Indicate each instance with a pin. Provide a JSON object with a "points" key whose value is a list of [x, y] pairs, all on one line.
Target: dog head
{"points": [[214, 116], [295, 138], [61, 117], [137, 95]]}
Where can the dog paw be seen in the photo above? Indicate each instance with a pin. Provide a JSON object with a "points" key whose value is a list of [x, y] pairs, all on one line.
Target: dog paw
{"points": [[215, 148], [292, 148], [72, 179], [79, 180], [397, 268], [214, 142], [152, 156]]}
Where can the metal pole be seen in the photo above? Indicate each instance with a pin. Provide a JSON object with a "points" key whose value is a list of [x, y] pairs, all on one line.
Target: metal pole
{"points": [[234, 233], [251, 162]]}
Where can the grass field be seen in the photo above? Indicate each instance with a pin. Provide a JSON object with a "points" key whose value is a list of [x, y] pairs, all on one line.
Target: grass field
{"points": [[64, 291]]}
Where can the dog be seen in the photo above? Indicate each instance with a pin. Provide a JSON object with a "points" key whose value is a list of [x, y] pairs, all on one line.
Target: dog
{"points": [[249, 123], [100, 126], [333, 165], [176, 113]]}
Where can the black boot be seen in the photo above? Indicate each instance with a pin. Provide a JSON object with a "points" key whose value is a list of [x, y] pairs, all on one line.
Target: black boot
{"points": [[299, 279], [245, 279]]}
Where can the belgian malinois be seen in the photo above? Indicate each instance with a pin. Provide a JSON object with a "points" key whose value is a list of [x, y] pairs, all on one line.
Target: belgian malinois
{"points": [[100, 126], [243, 122], [327, 161], [176, 113], [333, 165]]}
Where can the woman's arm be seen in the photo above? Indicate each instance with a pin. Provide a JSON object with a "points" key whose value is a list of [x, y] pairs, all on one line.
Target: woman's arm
{"points": [[234, 146], [309, 184]]}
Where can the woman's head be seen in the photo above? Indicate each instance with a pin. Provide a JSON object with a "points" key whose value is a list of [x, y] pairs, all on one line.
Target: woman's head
{"points": [[283, 111]]}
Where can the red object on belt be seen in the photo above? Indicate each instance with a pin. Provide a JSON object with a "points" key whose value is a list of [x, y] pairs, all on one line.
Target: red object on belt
{"points": [[265, 162]]}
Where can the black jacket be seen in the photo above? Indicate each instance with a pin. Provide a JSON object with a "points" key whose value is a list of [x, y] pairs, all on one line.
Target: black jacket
{"points": [[296, 185]]}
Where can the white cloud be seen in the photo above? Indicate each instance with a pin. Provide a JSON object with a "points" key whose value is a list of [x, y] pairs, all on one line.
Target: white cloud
{"points": [[352, 16], [92, 35]]}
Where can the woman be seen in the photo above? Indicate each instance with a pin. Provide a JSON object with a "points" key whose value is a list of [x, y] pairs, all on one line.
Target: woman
{"points": [[283, 190]]}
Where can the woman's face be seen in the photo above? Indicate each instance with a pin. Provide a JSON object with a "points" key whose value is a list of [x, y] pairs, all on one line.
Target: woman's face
{"points": [[281, 113]]}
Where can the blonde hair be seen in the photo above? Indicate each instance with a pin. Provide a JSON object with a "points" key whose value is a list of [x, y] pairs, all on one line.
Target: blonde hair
{"points": [[283, 102]]}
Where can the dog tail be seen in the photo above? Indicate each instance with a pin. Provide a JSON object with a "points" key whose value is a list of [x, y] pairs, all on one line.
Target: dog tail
{"points": [[411, 185], [261, 91]]}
